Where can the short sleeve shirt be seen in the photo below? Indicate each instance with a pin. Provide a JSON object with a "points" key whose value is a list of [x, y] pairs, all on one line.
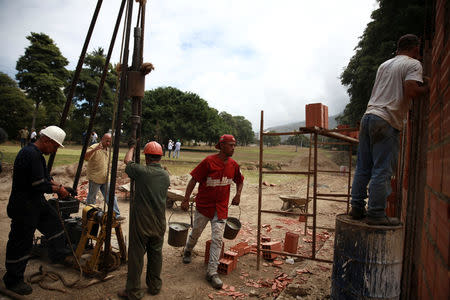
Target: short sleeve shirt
{"points": [[215, 177], [148, 212], [387, 99], [97, 167]]}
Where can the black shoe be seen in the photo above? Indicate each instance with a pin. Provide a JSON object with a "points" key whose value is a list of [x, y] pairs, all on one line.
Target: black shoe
{"points": [[357, 213], [215, 281], [187, 257], [383, 221], [153, 292], [20, 288]]}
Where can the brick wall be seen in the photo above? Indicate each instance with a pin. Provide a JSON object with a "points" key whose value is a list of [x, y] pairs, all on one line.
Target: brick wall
{"points": [[433, 265]]}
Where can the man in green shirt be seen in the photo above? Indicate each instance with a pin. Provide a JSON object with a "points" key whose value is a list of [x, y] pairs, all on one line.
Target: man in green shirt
{"points": [[147, 220]]}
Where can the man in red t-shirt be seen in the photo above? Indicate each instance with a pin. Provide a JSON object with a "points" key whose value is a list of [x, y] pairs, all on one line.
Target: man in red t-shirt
{"points": [[215, 174]]}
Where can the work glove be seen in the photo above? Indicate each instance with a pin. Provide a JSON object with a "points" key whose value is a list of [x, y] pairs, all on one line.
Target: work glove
{"points": [[71, 191]]}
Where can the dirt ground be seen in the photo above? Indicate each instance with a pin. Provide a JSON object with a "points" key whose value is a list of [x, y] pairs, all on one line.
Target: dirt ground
{"points": [[305, 279]]}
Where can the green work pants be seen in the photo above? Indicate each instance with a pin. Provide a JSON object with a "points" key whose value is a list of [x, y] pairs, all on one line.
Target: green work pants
{"points": [[139, 245]]}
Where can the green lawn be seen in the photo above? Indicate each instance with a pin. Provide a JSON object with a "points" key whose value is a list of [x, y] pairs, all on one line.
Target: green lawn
{"points": [[245, 156]]}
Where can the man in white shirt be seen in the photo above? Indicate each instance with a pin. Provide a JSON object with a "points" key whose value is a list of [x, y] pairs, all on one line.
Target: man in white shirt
{"points": [[176, 152], [398, 81]]}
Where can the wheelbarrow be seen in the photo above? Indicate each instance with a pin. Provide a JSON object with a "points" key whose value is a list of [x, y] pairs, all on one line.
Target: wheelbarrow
{"points": [[290, 202]]}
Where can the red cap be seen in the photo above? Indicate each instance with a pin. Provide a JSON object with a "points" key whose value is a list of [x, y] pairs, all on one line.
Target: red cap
{"points": [[224, 139]]}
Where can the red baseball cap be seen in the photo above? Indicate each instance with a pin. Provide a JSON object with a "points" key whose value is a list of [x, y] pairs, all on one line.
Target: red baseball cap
{"points": [[224, 139]]}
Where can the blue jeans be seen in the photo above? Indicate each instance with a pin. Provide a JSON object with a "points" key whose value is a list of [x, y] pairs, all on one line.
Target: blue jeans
{"points": [[92, 194], [377, 158]]}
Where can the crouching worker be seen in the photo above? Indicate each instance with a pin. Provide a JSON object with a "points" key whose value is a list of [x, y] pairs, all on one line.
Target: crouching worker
{"points": [[147, 220], [215, 174], [29, 210]]}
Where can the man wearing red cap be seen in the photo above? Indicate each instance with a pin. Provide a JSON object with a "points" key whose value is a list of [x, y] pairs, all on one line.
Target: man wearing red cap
{"points": [[215, 174]]}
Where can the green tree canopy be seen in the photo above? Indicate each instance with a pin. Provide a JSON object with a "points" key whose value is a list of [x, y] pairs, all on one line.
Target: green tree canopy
{"points": [[378, 43], [272, 140], [42, 74], [15, 108]]}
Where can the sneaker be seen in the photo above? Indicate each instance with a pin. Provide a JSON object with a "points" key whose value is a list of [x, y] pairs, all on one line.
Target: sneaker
{"points": [[20, 288], [357, 213], [187, 257], [215, 281], [383, 221], [120, 218]]}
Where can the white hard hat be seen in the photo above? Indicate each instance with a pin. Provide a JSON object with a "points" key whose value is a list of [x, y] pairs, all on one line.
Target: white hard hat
{"points": [[55, 133]]}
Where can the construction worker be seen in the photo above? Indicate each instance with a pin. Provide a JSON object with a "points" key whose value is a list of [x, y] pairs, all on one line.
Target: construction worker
{"points": [[29, 210], [147, 220], [398, 81], [215, 174], [97, 169]]}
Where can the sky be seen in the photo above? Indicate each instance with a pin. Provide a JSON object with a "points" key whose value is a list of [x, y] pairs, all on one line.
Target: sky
{"points": [[240, 56]]}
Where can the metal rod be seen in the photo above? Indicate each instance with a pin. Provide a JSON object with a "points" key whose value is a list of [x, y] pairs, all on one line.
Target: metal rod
{"points": [[98, 96], [122, 97], [296, 255], [261, 149], [285, 212], [314, 197], [332, 171], [309, 179], [332, 200], [333, 195], [285, 172], [76, 75], [349, 176]]}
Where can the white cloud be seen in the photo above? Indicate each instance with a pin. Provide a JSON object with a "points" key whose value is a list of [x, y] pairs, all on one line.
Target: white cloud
{"points": [[240, 56]]}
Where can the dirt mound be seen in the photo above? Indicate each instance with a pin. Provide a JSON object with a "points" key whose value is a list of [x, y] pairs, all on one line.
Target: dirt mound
{"points": [[300, 163]]}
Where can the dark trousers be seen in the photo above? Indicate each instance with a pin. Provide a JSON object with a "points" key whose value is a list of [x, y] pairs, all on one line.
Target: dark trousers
{"points": [[138, 246], [46, 220]]}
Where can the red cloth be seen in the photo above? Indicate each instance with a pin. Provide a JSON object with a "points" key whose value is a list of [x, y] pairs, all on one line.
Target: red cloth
{"points": [[215, 178]]}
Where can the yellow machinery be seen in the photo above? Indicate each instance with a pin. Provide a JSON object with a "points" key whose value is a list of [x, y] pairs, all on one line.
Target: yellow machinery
{"points": [[90, 260]]}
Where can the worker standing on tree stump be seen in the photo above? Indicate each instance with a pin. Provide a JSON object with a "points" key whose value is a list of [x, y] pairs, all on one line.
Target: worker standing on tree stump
{"points": [[398, 81], [215, 174], [147, 220]]}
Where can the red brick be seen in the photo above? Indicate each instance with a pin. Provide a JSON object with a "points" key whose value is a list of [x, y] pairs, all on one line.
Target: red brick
{"points": [[315, 115], [231, 255], [291, 242], [225, 266], [273, 246], [241, 248]]}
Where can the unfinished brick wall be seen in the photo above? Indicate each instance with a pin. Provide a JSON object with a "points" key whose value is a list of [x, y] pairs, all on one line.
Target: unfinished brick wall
{"points": [[433, 265]]}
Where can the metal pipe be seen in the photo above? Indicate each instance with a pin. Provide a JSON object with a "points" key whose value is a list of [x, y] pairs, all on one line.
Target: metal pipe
{"points": [[333, 195], [76, 75], [285, 172], [297, 255], [285, 212], [309, 179], [98, 96], [261, 149], [314, 197], [349, 176], [122, 97]]}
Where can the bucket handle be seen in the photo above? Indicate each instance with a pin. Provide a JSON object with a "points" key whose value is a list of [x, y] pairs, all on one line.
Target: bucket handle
{"points": [[168, 221], [239, 210]]}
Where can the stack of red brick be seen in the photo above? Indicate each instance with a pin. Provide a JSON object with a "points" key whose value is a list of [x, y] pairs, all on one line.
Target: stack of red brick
{"points": [[316, 115], [352, 134]]}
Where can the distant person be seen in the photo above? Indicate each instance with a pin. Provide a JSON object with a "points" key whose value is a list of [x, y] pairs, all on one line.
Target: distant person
{"points": [[176, 152], [97, 169], [147, 220], [23, 133], [398, 81], [29, 210], [33, 135], [40, 132], [215, 174], [94, 138], [170, 147]]}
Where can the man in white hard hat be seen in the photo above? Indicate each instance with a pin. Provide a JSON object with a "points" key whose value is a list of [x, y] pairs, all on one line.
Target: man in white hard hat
{"points": [[29, 210]]}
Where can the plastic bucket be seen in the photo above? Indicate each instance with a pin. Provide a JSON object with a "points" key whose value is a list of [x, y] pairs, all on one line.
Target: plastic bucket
{"points": [[232, 227], [178, 232]]}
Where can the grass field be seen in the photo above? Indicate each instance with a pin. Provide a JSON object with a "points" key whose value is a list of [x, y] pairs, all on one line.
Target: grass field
{"points": [[245, 156]]}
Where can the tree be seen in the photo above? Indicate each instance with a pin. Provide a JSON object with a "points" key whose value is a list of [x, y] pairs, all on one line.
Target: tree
{"points": [[243, 130], [86, 92], [272, 140], [15, 108], [378, 43], [42, 74], [298, 140]]}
